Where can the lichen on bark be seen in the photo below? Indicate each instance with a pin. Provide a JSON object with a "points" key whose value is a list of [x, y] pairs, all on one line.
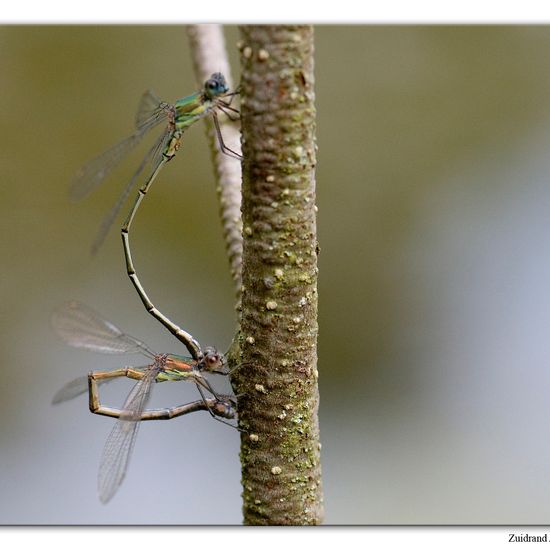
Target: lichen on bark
{"points": [[276, 348]]}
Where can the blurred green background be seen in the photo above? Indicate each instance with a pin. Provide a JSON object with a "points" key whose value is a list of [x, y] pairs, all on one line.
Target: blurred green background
{"points": [[434, 215]]}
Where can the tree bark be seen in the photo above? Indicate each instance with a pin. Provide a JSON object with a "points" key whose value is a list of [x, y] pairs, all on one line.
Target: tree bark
{"points": [[276, 348]]}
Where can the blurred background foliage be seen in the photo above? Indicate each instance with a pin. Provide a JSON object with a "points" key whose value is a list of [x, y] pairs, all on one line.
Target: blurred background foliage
{"points": [[434, 201]]}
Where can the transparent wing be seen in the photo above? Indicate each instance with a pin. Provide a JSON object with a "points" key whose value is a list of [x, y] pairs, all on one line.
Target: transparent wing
{"points": [[160, 148], [151, 107], [81, 327], [120, 443], [111, 216], [94, 172], [73, 389]]}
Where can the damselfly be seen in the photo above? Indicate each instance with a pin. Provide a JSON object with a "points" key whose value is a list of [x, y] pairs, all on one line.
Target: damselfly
{"points": [[151, 112], [213, 98], [81, 327]]}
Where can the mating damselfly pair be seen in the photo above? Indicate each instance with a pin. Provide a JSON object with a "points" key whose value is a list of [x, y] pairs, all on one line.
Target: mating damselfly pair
{"points": [[79, 326]]}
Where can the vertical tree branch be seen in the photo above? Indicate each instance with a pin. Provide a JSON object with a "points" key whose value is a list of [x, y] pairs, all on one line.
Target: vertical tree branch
{"points": [[277, 379], [210, 56]]}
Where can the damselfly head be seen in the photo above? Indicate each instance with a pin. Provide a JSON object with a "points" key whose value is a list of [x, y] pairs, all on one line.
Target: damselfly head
{"points": [[226, 408], [215, 86], [213, 361]]}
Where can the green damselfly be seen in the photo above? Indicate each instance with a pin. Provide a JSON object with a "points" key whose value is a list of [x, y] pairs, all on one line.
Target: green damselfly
{"points": [[178, 117], [81, 327], [151, 112]]}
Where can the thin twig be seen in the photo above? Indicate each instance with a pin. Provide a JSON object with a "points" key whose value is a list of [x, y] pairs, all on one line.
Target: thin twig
{"points": [[209, 56]]}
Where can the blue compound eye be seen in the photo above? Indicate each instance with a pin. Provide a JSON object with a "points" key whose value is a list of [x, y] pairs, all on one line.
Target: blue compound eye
{"points": [[215, 85]]}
